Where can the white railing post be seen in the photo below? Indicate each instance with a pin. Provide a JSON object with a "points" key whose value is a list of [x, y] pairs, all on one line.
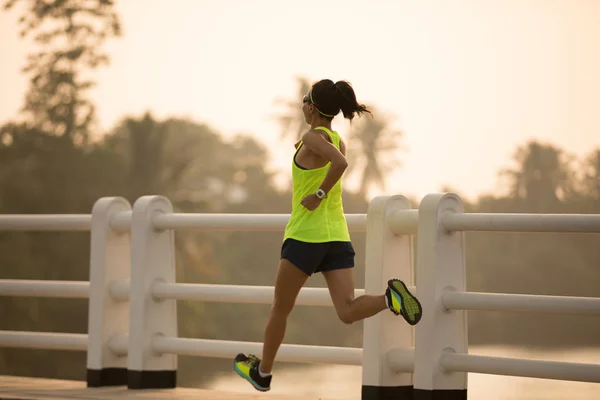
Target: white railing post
{"points": [[387, 256], [440, 266], [152, 260], [109, 261]]}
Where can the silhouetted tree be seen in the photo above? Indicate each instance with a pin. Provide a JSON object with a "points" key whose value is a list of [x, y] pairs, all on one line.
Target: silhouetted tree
{"points": [[543, 181], [542, 177], [373, 149], [70, 34], [292, 119], [46, 167]]}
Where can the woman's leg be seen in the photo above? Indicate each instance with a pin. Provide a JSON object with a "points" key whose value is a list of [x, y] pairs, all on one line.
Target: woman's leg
{"points": [[349, 309], [288, 283]]}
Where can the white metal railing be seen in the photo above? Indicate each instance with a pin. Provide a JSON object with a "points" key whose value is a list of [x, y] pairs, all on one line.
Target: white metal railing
{"points": [[441, 349], [118, 345], [569, 371], [36, 288], [451, 300], [110, 250], [44, 340], [152, 261], [401, 359], [119, 290], [120, 221], [44, 222], [107, 291], [132, 260], [573, 223], [239, 222], [287, 352], [308, 296], [403, 222]]}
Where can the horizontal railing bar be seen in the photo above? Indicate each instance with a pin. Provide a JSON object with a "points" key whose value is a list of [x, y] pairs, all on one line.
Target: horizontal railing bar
{"points": [[225, 222], [41, 288], [308, 296], [118, 344], [401, 359], [452, 300], [119, 290], [404, 222], [240, 222], [121, 221], [228, 349], [43, 340], [45, 222], [507, 222], [567, 371]]}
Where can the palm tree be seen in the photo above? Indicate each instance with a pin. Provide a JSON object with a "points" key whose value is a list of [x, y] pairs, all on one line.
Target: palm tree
{"points": [[372, 150], [292, 119], [542, 177]]}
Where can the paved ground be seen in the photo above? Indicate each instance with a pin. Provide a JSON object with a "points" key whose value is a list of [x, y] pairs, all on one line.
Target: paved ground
{"points": [[12, 388]]}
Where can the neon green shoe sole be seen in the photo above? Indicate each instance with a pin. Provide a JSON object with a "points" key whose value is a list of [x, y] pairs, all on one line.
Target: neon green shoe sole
{"points": [[409, 306]]}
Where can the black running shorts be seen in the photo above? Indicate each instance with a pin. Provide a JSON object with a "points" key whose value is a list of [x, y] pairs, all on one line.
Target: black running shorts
{"points": [[318, 257]]}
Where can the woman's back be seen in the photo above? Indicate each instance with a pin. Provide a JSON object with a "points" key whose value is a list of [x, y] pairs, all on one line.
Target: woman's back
{"points": [[327, 222]]}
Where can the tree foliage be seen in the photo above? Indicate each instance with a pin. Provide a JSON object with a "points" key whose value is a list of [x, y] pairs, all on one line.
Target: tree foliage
{"points": [[47, 165], [70, 35]]}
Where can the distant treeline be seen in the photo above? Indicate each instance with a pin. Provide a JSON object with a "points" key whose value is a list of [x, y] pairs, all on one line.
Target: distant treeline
{"points": [[49, 164]]}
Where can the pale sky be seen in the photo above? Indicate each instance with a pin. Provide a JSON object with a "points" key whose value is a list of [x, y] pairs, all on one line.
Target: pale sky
{"points": [[468, 80]]}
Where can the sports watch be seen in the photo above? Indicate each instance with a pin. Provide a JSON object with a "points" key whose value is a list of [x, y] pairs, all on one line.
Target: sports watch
{"points": [[320, 193]]}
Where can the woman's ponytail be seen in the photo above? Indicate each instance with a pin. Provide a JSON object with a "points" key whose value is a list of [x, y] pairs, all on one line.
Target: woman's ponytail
{"points": [[347, 100]]}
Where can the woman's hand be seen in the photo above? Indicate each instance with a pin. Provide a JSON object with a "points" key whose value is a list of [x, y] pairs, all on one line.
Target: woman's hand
{"points": [[311, 202]]}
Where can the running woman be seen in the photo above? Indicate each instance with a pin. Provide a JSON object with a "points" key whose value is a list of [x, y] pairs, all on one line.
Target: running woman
{"points": [[316, 238]]}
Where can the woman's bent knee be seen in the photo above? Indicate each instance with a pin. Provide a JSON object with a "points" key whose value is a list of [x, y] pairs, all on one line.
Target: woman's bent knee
{"points": [[345, 316]]}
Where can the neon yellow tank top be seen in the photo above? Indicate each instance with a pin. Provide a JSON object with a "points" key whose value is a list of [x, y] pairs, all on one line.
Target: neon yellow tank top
{"points": [[327, 222]]}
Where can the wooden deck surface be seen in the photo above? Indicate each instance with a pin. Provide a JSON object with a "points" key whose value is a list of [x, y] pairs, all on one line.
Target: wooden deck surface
{"points": [[12, 388]]}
